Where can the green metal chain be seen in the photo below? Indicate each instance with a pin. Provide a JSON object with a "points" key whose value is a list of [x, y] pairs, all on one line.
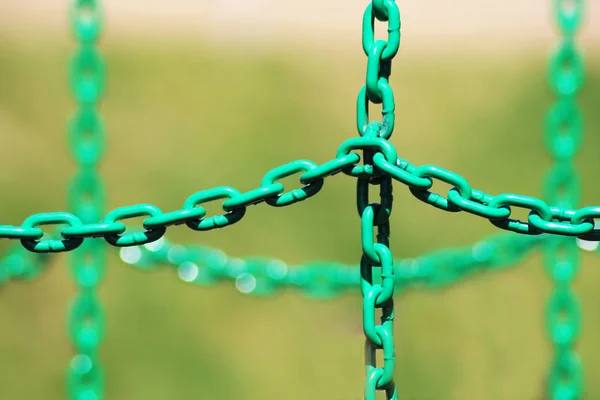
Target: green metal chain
{"points": [[86, 196], [555, 220], [563, 132], [377, 278]]}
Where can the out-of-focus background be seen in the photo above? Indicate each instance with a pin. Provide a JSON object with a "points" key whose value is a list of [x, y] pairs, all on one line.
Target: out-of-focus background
{"points": [[203, 94]]}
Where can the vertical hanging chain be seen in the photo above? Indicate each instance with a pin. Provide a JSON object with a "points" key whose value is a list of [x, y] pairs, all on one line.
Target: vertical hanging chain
{"points": [[86, 197], [376, 265], [563, 133]]}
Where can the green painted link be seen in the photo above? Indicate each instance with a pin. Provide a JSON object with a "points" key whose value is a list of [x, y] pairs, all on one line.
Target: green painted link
{"points": [[401, 172], [478, 206], [527, 202], [295, 195], [390, 9], [384, 128], [434, 199], [563, 134], [136, 238], [587, 214], [87, 198], [217, 221], [376, 72], [562, 227], [384, 261], [50, 245]]}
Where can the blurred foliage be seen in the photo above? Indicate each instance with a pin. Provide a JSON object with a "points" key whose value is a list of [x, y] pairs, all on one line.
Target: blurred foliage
{"points": [[182, 117]]}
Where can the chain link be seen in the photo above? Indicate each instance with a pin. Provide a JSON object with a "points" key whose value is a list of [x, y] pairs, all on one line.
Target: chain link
{"points": [[86, 196], [563, 134]]}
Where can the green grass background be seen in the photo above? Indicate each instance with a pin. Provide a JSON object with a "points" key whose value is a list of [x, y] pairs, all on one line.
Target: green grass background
{"points": [[183, 117]]}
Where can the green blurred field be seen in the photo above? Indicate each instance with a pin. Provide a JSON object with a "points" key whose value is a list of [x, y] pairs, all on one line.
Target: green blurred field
{"points": [[182, 118]]}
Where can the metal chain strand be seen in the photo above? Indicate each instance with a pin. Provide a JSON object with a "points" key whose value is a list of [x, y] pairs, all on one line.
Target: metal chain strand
{"points": [[377, 288], [543, 218], [563, 133], [86, 198]]}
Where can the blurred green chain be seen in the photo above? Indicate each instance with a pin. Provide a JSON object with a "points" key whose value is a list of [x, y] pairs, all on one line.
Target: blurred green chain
{"points": [[261, 276], [377, 278], [86, 197], [19, 264], [563, 132]]}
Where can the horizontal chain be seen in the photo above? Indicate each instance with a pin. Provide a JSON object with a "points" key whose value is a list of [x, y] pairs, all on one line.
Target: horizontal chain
{"points": [[542, 217], [113, 230], [461, 197]]}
